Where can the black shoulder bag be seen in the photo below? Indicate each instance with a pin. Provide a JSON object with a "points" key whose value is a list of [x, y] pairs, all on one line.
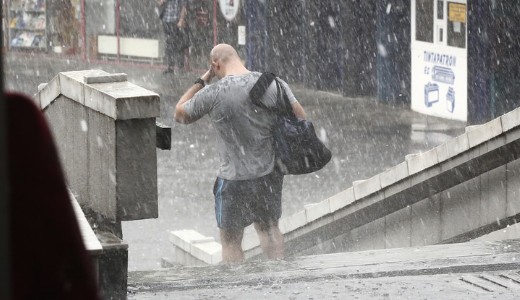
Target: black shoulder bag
{"points": [[297, 148]]}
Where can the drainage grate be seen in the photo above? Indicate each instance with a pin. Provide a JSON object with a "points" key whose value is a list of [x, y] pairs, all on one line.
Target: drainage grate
{"points": [[492, 282]]}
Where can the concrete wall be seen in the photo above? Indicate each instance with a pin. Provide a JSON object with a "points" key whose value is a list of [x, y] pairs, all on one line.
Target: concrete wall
{"points": [[455, 192], [444, 217]]}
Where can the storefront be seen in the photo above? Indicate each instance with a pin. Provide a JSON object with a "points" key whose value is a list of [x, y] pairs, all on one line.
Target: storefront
{"points": [[117, 29], [42, 25]]}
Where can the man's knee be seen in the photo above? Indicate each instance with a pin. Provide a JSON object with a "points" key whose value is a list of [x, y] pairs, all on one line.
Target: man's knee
{"points": [[231, 236], [266, 226]]}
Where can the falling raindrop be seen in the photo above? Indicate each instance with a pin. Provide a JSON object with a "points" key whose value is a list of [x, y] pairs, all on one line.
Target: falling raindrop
{"points": [[83, 125]]}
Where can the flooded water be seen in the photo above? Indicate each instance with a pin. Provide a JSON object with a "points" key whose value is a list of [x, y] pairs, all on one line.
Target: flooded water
{"points": [[365, 138]]}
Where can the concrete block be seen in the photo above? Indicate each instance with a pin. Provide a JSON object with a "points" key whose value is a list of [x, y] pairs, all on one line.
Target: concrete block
{"points": [[460, 209], [50, 92], [41, 86], [426, 222], [394, 174], [452, 147], [513, 188], [510, 120], [341, 243], [78, 170], [113, 267], [107, 105], [181, 256], [132, 101], [348, 210], [294, 221], [363, 188], [422, 161], [89, 238], [71, 87], [398, 228], [369, 236], [186, 259], [470, 128], [493, 201], [80, 75], [168, 262], [493, 144], [459, 159], [101, 165], [137, 181], [484, 132], [341, 199], [64, 120], [317, 210], [208, 252], [429, 173], [184, 238], [100, 102], [115, 77], [397, 187], [512, 135], [138, 106]]}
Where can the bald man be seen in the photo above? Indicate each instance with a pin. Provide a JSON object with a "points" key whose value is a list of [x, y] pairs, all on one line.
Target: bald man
{"points": [[248, 188]]}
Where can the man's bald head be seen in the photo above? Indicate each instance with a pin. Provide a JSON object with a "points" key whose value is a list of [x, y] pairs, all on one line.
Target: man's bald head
{"points": [[223, 53], [225, 61]]}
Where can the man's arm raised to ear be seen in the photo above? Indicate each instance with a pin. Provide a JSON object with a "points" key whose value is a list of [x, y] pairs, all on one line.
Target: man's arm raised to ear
{"points": [[180, 114]]}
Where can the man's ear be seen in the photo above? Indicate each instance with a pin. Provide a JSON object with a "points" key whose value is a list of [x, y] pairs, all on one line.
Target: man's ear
{"points": [[215, 65]]}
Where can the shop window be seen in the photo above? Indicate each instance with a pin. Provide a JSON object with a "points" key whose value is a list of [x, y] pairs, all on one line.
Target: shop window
{"points": [[440, 9], [424, 21], [456, 24]]}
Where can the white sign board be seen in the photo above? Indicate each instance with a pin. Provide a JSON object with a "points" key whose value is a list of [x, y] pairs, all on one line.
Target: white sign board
{"points": [[241, 35], [439, 81], [229, 9]]}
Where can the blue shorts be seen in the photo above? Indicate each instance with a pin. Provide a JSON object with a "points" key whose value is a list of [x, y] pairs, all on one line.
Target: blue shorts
{"points": [[239, 203]]}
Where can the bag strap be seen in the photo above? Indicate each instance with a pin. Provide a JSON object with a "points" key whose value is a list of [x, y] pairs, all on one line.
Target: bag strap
{"points": [[261, 86]]}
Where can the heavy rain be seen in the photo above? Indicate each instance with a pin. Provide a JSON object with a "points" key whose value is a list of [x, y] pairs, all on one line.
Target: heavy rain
{"points": [[387, 84]]}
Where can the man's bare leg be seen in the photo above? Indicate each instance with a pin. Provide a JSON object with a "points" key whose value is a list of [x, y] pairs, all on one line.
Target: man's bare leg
{"points": [[232, 245], [271, 239]]}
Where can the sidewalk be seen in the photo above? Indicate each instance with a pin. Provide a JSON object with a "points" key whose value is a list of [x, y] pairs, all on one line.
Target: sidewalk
{"points": [[457, 271], [364, 136]]}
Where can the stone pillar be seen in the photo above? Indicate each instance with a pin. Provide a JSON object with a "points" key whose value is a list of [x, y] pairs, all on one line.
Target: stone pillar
{"points": [[105, 130]]}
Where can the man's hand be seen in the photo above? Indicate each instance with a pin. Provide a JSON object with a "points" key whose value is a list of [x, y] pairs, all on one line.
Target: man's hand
{"points": [[208, 76]]}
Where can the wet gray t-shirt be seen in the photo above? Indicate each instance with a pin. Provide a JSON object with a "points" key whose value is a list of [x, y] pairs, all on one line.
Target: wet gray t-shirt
{"points": [[244, 129]]}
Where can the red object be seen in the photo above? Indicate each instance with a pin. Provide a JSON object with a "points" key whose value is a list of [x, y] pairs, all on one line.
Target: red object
{"points": [[214, 23], [48, 257], [83, 30]]}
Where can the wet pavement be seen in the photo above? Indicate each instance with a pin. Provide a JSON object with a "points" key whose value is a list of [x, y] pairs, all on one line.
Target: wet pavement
{"points": [[489, 270], [364, 136]]}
